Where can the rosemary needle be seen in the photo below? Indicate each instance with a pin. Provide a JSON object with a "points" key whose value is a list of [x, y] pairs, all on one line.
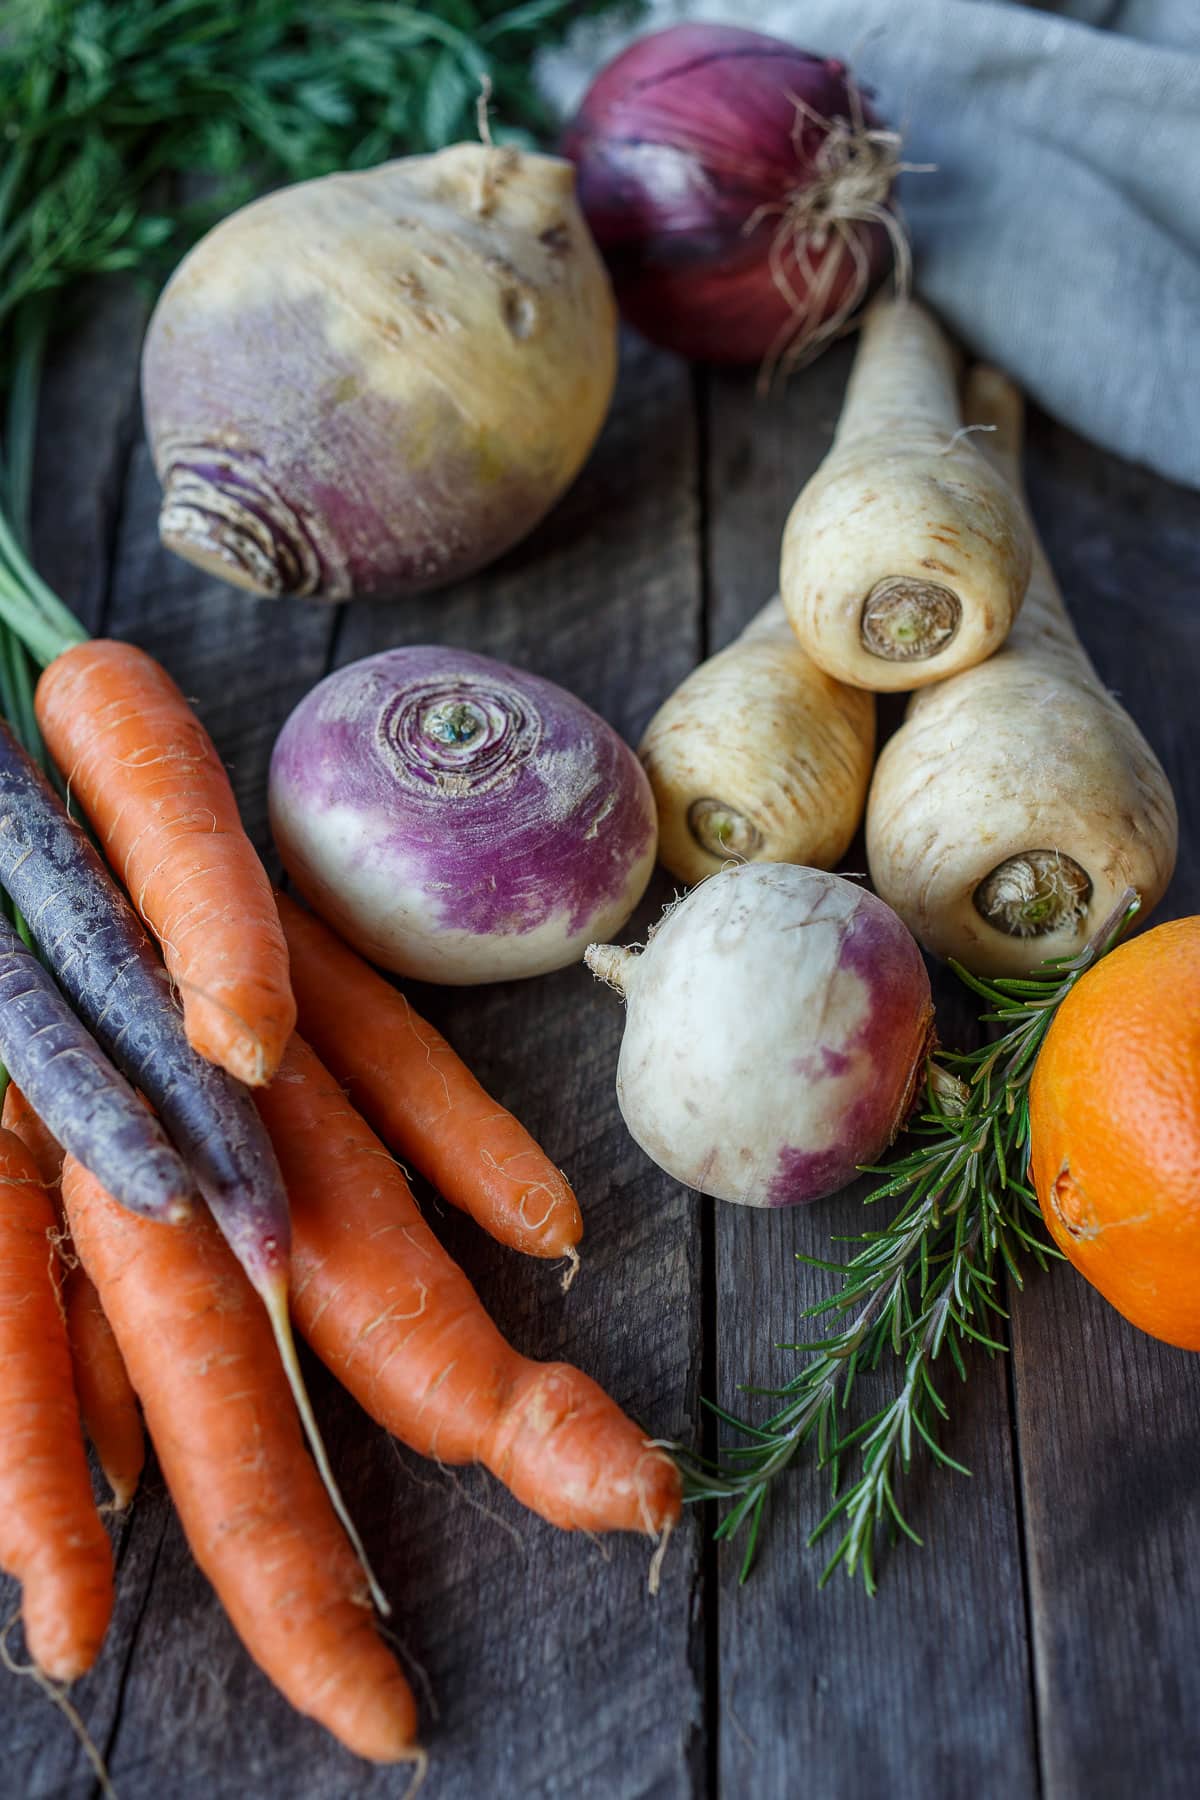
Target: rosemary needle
{"points": [[923, 1286]]}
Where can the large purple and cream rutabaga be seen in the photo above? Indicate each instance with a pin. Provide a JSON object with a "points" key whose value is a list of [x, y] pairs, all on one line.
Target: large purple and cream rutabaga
{"points": [[373, 383], [776, 1032], [458, 820]]}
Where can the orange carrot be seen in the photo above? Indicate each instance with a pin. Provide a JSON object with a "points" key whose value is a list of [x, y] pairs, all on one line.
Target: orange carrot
{"points": [[149, 778], [401, 1327], [198, 1346], [422, 1099], [19, 1118], [51, 1537], [107, 1402], [106, 1398]]}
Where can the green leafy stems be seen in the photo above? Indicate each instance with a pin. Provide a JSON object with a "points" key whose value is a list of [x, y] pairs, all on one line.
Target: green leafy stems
{"points": [[926, 1284]]}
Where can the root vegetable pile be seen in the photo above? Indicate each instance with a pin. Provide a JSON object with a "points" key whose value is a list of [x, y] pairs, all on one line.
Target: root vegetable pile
{"points": [[370, 384], [188, 1319]]}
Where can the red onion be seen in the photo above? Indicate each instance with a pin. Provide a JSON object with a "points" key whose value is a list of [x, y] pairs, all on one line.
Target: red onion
{"points": [[738, 189]]}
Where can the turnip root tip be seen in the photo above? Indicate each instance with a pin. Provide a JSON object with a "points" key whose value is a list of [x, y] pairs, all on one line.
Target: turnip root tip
{"points": [[611, 963]]}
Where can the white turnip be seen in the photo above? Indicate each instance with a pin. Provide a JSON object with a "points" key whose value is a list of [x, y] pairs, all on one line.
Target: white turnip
{"points": [[777, 1027]]}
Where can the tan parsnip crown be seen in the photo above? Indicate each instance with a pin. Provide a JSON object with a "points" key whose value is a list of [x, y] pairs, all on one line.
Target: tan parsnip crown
{"points": [[906, 556], [759, 756]]}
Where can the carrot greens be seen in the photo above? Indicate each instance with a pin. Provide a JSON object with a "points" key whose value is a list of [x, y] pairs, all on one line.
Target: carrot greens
{"points": [[927, 1283]]}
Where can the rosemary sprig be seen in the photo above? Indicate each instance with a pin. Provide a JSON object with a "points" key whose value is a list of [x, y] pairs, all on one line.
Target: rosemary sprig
{"points": [[925, 1284]]}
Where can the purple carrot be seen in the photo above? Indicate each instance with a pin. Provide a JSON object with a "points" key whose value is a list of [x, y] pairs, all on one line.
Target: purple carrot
{"points": [[79, 1096], [105, 963]]}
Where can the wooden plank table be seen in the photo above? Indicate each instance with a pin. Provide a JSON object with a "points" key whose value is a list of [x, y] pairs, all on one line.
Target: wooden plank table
{"points": [[1047, 1640]]}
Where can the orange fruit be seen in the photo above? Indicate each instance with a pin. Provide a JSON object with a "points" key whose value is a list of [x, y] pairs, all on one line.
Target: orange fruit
{"points": [[1114, 1113]]}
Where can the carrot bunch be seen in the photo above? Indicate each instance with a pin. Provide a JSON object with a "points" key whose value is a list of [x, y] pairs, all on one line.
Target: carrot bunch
{"points": [[120, 1295]]}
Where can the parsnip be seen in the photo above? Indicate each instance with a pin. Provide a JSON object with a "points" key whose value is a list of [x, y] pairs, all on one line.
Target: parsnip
{"points": [[1018, 799], [906, 557], [760, 756]]}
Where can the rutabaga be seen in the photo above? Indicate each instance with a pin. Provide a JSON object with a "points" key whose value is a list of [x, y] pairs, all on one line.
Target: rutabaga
{"points": [[375, 382], [777, 1027], [458, 820]]}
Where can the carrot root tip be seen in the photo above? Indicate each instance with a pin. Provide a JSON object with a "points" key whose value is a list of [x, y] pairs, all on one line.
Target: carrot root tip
{"points": [[420, 1761], [275, 1298], [572, 1261], [654, 1575], [55, 1694]]}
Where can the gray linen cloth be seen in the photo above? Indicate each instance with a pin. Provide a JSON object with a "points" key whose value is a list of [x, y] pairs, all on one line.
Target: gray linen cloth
{"points": [[1060, 234]]}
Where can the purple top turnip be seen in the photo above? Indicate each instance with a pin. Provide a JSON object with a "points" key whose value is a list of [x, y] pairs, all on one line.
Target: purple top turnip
{"points": [[777, 1026], [458, 820]]}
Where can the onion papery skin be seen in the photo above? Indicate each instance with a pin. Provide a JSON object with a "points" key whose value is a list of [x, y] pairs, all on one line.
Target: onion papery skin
{"points": [[458, 820], [776, 1028], [684, 146], [374, 383]]}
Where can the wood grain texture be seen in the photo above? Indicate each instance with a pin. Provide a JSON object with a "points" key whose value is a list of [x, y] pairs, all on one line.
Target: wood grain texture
{"points": [[924, 1689], [88, 423], [1108, 1446]]}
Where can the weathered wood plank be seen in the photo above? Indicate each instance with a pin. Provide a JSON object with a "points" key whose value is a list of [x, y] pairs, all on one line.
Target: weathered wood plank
{"points": [[1109, 1455], [924, 1689], [87, 425]]}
